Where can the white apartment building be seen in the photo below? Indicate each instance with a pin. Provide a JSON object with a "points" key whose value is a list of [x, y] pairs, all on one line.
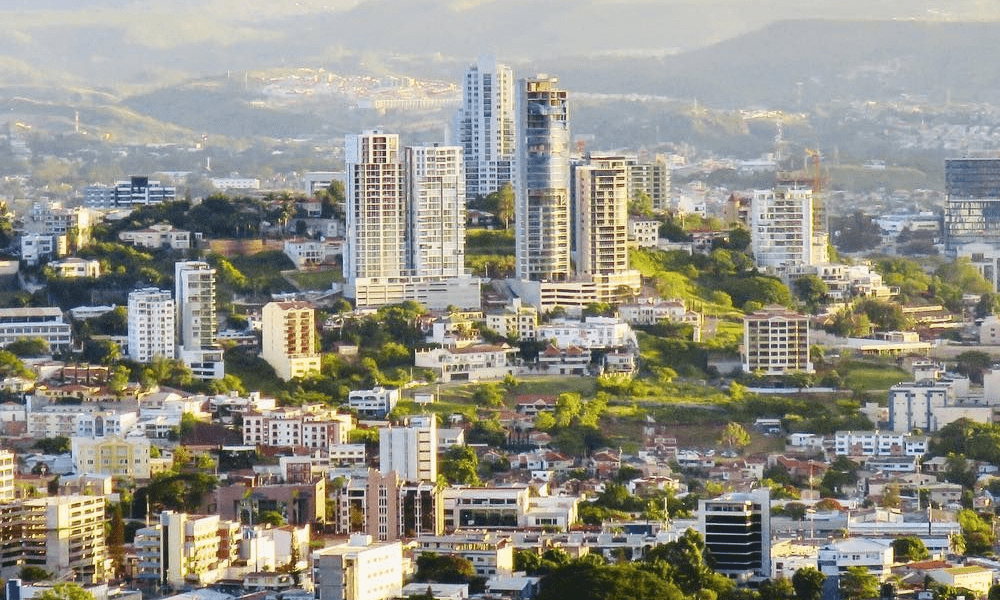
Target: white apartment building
{"points": [[469, 363], [435, 182], [105, 422], [311, 426], [376, 208], [56, 419], [929, 405], [305, 252], [197, 327], [542, 198], [489, 554], [782, 229], [775, 342], [151, 324], [358, 569], [645, 234], [651, 311], [46, 322], [289, 339], [592, 332], [73, 267], [374, 403], [875, 555], [36, 246], [137, 191], [878, 443], [485, 126], [410, 451], [235, 183], [184, 550], [161, 235]]}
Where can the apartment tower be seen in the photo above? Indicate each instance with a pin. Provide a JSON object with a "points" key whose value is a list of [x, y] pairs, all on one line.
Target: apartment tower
{"points": [[601, 192], [289, 338], [151, 324], [484, 126], [542, 199], [436, 191], [197, 328]]}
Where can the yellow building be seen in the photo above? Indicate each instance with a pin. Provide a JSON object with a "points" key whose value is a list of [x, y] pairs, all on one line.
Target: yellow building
{"points": [[289, 339], [112, 455]]}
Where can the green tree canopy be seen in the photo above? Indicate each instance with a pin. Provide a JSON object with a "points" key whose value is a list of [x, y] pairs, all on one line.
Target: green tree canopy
{"points": [[808, 583], [65, 591], [909, 548]]}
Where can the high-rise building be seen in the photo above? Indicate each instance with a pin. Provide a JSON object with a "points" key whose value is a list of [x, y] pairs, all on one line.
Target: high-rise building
{"points": [[775, 342], [358, 569], [387, 508], [184, 549], [972, 206], [436, 191], [737, 532], [782, 231], [601, 193], [650, 178], [151, 324], [197, 328], [377, 212], [410, 451], [405, 232], [542, 199], [63, 535], [289, 338], [484, 126], [8, 466]]}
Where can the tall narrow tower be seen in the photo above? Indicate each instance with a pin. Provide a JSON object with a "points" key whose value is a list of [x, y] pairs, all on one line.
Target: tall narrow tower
{"points": [[197, 328], [376, 207], [542, 221], [436, 190], [601, 188], [484, 126]]}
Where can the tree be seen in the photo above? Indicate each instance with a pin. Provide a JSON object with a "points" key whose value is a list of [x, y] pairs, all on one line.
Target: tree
{"points": [[31, 574], [271, 517], [116, 541], [972, 363], [857, 584], [890, 498], [504, 208], [54, 445], [734, 436], [460, 466], [776, 589], [65, 591], [444, 568], [582, 581], [812, 290], [808, 583], [29, 347], [909, 548]]}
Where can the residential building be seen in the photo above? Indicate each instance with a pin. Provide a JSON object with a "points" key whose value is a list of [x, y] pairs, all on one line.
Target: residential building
{"points": [[289, 339], [184, 550], [358, 569], [601, 203], [151, 325], [651, 311], [506, 508], [73, 267], [571, 360], [972, 202], [929, 405], [874, 555], [235, 183], [542, 197], [652, 179], [386, 507], [46, 322], [644, 233], [138, 191], [161, 235], [776, 342], [8, 466], [375, 403], [485, 127], [879, 443], [310, 426], [63, 535], [436, 191], [410, 451], [469, 363], [592, 332], [515, 320], [489, 554], [126, 457], [989, 331], [736, 528], [38, 246], [105, 422], [782, 233], [197, 328], [300, 503]]}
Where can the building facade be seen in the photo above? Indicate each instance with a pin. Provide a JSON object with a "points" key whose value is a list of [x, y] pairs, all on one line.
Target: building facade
{"points": [[484, 127], [410, 451], [601, 200], [542, 199], [289, 338], [736, 528], [436, 190], [137, 191], [775, 342], [46, 322], [782, 229], [358, 569], [151, 325], [972, 202], [197, 327]]}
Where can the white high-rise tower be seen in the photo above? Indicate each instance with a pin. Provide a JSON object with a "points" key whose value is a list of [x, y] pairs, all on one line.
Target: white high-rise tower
{"points": [[484, 126], [436, 191], [151, 324], [601, 188], [197, 328]]}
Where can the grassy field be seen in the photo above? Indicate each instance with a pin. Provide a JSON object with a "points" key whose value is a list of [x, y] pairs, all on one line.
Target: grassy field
{"points": [[314, 280], [866, 377], [489, 241]]}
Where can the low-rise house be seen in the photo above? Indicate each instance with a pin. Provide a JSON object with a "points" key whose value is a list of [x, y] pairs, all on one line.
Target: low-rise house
{"points": [[161, 235]]}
